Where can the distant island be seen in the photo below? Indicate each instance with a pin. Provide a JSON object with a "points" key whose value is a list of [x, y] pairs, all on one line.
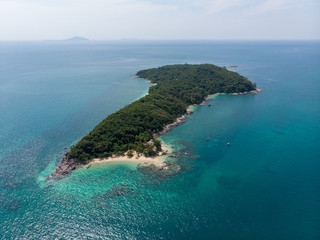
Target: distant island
{"points": [[76, 38], [73, 39], [133, 130]]}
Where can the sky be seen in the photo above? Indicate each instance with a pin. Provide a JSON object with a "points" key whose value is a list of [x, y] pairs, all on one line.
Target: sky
{"points": [[160, 19]]}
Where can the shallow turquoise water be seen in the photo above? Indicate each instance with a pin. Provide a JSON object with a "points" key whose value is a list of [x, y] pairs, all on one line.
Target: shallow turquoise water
{"points": [[265, 185]]}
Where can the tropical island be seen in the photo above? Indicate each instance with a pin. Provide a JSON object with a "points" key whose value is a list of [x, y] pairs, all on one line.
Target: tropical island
{"points": [[133, 130]]}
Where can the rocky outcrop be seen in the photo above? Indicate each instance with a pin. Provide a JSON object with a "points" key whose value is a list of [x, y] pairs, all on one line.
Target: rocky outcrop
{"points": [[177, 122], [64, 167], [249, 92]]}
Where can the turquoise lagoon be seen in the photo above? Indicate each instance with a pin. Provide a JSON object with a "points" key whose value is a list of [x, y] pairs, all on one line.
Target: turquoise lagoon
{"points": [[265, 185]]}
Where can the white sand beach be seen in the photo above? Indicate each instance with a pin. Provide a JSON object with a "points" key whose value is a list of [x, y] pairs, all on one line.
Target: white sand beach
{"points": [[138, 159]]}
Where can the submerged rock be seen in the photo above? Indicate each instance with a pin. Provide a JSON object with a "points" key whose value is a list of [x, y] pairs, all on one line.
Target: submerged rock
{"points": [[164, 171], [116, 191]]}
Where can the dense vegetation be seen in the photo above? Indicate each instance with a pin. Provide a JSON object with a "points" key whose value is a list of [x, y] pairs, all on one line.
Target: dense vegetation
{"points": [[132, 127]]}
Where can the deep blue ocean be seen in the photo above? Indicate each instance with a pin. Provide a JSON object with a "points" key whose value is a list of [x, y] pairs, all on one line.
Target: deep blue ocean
{"points": [[265, 185]]}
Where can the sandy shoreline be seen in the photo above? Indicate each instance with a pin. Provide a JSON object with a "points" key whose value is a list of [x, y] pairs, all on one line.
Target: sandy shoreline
{"points": [[158, 160]]}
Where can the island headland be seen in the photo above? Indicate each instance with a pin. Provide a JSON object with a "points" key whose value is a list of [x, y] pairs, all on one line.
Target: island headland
{"points": [[131, 133]]}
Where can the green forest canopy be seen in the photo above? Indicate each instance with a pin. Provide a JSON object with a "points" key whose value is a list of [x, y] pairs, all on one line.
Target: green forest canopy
{"points": [[177, 87]]}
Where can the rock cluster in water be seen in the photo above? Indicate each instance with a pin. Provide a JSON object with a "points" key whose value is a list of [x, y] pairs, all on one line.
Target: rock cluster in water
{"points": [[167, 170], [65, 167]]}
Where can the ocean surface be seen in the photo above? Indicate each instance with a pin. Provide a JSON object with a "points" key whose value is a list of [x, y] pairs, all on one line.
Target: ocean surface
{"points": [[265, 185]]}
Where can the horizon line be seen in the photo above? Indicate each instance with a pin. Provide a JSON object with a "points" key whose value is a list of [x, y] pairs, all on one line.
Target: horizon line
{"points": [[151, 40]]}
